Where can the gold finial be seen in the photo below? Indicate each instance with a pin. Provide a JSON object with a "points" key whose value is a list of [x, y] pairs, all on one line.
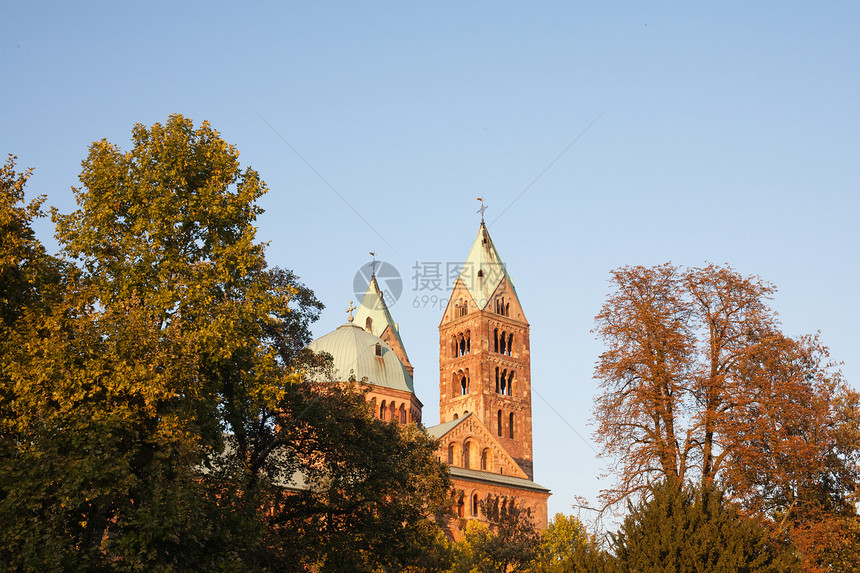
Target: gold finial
{"points": [[349, 310]]}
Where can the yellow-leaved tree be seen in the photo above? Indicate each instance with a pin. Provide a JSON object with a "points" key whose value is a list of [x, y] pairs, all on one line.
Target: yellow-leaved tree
{"points": [[155, 406]]}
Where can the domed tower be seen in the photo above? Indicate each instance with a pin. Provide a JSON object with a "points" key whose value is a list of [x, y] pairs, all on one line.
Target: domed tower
{"points": [[361, 356]]}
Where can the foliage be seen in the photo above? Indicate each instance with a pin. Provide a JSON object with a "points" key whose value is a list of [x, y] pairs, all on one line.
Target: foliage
{"points": [[26, 271], [508, 544], [566, 547], [698, 383], [156, 401], [689, 531], [827, 542], [371, 486]]}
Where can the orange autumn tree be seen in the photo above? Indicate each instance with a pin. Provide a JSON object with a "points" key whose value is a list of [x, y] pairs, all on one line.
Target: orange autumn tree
{"points": [[698, 383]]}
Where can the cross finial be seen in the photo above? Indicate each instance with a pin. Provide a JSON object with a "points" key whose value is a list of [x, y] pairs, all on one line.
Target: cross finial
{"points": [[482, 209], [373, 264], [349, 310]]}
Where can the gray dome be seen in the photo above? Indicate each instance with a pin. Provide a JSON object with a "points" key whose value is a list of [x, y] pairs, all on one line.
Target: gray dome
{"points": [[355, 353]]}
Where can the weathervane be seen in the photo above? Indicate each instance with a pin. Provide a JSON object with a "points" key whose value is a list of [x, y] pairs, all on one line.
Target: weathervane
{"points": [[373, 264], [482, 209], [349, 310]]}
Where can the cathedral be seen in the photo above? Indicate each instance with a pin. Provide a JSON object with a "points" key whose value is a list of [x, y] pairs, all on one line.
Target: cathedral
{"points": [[485, 405]]}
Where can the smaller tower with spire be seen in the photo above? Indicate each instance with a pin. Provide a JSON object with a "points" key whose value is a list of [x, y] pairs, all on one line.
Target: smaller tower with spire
{"points": [[373, 316]]}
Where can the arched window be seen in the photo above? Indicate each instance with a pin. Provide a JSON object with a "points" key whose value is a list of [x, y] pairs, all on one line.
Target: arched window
{"points": [[468, 342], [500, 422], [495, 340], [475, 504], [462, 346], [511, 383], [502, 343], [498, 390], [392, 411], [451, 451], [460, 505], [382, 410], [511, 425], [467, 454], [373, 406], [368, 324], [508, 309], [402, 414], [511, 344], [485, 462], [503, 383], [464, 386], [456, 417]]}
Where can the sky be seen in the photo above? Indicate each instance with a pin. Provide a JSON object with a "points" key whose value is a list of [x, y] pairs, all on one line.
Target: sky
{"points": [[600, 134]]}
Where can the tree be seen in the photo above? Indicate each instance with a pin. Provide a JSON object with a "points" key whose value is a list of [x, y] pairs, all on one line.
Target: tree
{"points": [[645, 376], [699, 385], [155, 410], [566, 547], [677, 529], [26, 270], [112, 402], [371, 487], [506, 544]]}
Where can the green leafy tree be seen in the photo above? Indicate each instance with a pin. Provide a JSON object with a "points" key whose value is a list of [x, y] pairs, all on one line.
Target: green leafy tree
{"points": [[370, 488], [566, 547], [693, 531], [155, 410], [27, 273], [114, 400]]}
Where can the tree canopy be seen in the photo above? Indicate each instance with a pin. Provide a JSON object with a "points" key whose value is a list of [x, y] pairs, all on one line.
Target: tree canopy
{"points": [[691, 530], [156, 413], [699, 385]]}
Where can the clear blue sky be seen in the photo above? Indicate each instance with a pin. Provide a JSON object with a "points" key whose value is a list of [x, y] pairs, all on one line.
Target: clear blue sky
{"points": [[725, 132]]}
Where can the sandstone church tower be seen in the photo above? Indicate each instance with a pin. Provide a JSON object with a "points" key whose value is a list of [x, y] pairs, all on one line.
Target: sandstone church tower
{"points": [[484, 365], [485, 407]]}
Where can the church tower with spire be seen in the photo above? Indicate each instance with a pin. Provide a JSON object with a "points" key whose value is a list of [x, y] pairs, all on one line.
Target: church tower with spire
{"points": [[484, 362], [485, 409]]}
